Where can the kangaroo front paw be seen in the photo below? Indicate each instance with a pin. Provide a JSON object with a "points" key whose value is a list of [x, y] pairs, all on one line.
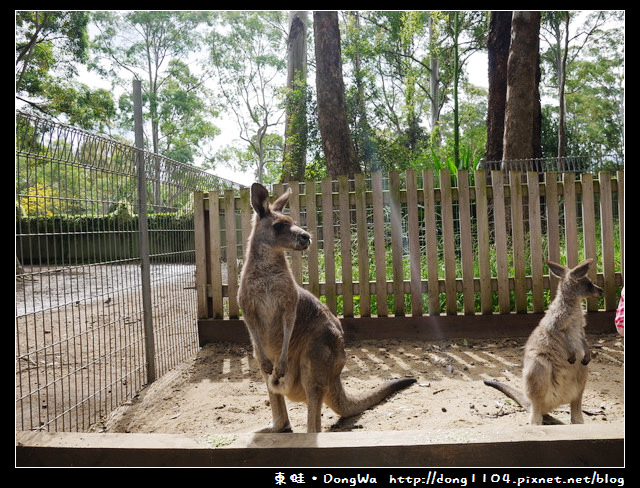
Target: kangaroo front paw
{"points": [[266, 366], [281, 369]]}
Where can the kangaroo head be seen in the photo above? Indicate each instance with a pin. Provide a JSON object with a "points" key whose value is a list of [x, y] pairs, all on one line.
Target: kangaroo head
{"points": [[574, 281], [271, 226]]}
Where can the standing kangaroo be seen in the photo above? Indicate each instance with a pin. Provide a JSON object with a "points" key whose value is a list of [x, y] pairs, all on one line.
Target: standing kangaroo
{"points": [[556, 354], [297, 342]]}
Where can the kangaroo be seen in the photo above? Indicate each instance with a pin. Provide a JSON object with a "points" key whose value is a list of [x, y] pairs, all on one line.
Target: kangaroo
{"points": [[297, 341], [556, 354]]}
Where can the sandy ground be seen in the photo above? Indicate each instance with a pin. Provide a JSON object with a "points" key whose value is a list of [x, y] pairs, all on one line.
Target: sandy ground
{"points": [[220, 391]]}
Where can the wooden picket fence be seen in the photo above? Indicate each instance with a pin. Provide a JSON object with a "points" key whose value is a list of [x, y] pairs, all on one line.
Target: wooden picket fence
{"points": [[426, 243]]}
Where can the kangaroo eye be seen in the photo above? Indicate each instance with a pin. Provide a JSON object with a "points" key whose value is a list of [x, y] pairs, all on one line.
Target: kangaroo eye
{"points": [[278, 226]]}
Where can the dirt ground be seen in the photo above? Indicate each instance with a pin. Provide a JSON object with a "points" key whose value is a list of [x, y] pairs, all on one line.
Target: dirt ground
{"points": [[221, 392]]}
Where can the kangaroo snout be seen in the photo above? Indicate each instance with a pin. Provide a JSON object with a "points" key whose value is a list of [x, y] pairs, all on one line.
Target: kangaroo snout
{"points": [[304, 240], [597, 291]]}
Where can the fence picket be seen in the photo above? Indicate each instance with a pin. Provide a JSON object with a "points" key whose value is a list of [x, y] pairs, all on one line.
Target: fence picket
{"points": [[535, 242], [553, 225], [362, 230], [414, 244], [431, 241], [215, 255], [500, 231], [329, 245], [312, 227], [517, 240], [482, 212], [396, 244], [466, 243], [570, 218], [606, 223], [589, 226], [449, 245], [379, 244]]}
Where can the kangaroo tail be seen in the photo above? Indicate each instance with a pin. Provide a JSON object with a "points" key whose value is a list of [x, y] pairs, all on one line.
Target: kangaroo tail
{"points": [[512, 393], [347, 404]]}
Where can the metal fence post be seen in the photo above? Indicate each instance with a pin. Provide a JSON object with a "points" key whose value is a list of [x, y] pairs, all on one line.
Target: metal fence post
{"points": [[145, 263]]}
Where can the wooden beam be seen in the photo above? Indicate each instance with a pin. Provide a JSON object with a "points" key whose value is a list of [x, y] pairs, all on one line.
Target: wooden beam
{"points": [[428, 327], [521, 446]]}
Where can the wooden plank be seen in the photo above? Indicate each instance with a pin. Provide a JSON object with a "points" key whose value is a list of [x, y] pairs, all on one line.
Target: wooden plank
{"points": [[425, 328], [215, 255], [553, 225], [345, 246], [379, 244], [449, 242], [535, 242], [396, 244], [362, 232], [200, 235], [589, 231], [517, 240], [500, 228], [482, 216], [466, 243], [312, 228], [570, 219], [608, 258], [520, 446], [294, 212], [329, 245], [232, 253], [414, 243], [620, 187], [431, 240]]}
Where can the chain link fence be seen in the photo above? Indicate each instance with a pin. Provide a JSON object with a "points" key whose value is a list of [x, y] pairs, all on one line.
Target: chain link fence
{"points": [[80, 344]]}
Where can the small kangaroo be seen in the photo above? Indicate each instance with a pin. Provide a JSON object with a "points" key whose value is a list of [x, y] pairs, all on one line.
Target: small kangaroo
{"points": [[297, 341], [556, 354]]}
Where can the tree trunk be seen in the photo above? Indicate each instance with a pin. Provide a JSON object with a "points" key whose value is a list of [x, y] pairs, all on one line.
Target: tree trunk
{"points": [[562, 80], [498, 54], [522, 88], [434, 88], [337, 144], [295, 143]]}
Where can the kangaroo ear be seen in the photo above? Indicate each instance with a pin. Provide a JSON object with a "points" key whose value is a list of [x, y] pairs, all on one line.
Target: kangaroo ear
{"points": [[260, 199], [557, 269], [282, 200], [581, 270]]}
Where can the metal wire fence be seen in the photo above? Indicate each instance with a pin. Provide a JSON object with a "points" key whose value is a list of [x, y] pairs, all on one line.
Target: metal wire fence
{"points": [[80, 343]]}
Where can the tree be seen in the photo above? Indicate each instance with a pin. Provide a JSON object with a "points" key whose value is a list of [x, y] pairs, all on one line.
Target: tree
{"points": [[563, 49], [497, 55], [146, 44], [522, 112], [246, 52], [50, 46], [295, 142], [337, 144]]}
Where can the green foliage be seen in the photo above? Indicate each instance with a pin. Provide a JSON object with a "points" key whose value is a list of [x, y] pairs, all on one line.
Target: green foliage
{"points": [[390, 59]]}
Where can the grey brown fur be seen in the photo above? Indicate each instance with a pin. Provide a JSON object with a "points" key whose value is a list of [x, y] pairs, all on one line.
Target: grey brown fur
{"points": [[297, 342], [556, 354]]}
